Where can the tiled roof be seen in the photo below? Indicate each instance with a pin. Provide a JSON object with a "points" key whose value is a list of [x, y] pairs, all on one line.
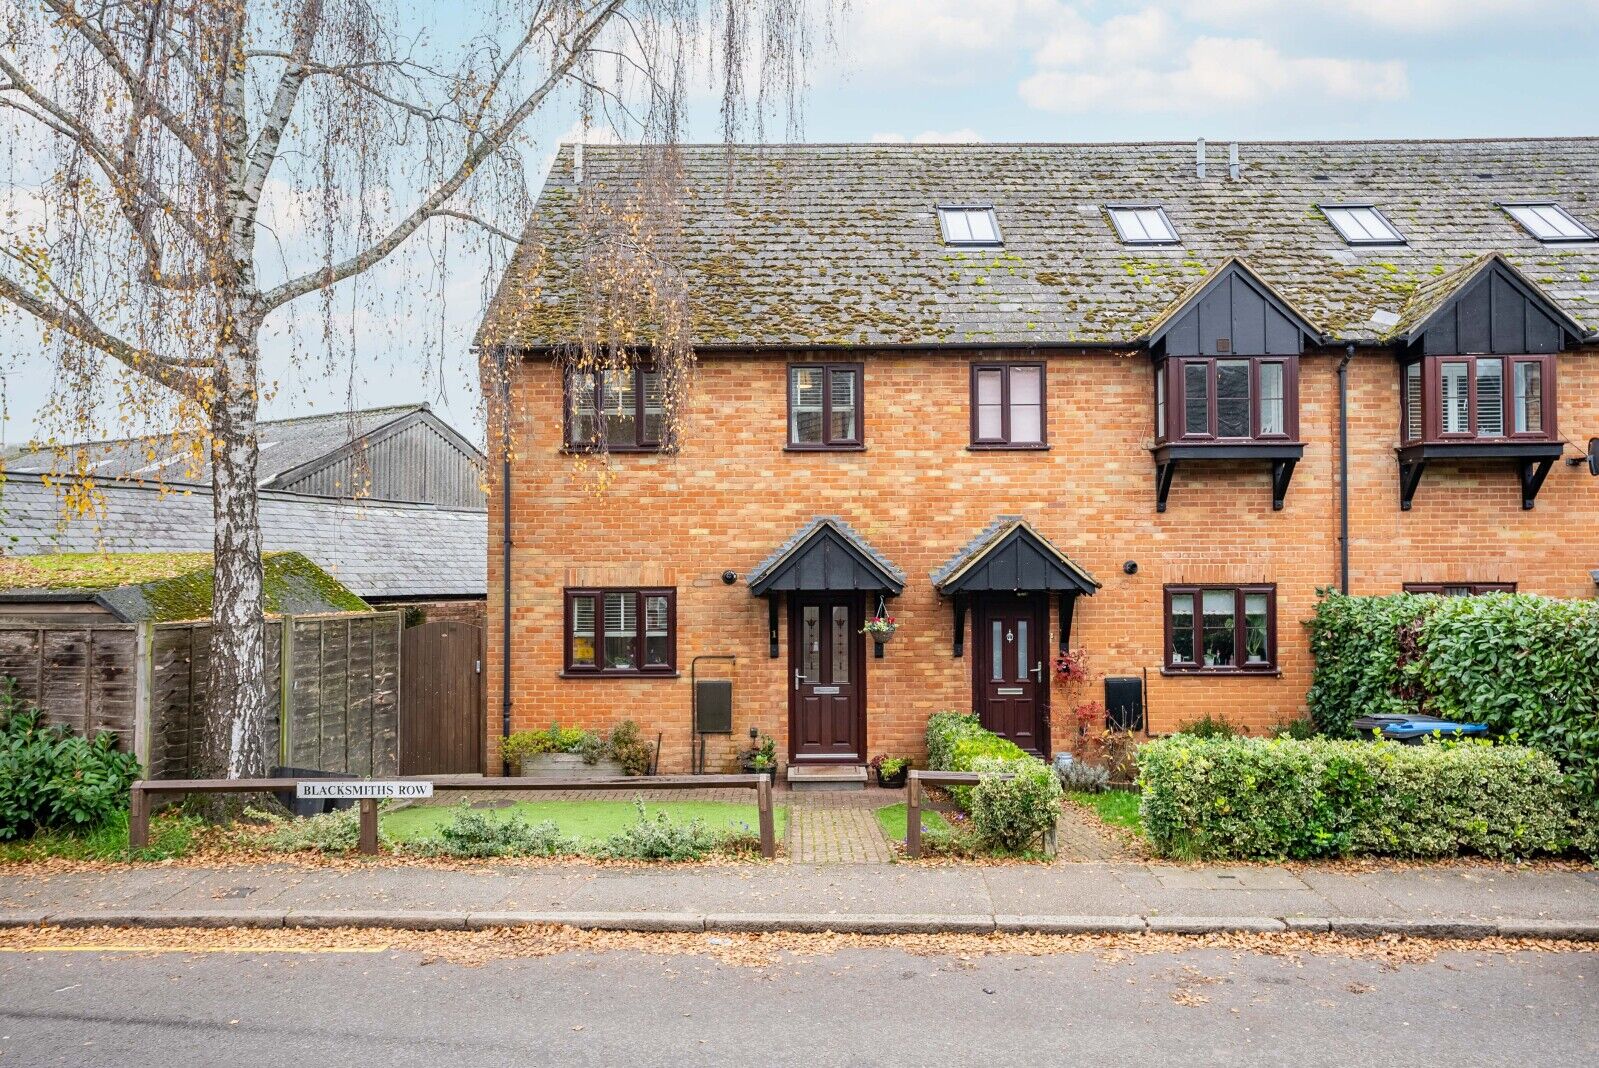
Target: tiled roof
{"points": [[377, 549], [285, 445], [798, 538], [1000, 526], [839, 244]]}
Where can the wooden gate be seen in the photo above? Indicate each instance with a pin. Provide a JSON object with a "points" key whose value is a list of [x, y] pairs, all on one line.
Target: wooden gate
{"points": [[441, 699]]}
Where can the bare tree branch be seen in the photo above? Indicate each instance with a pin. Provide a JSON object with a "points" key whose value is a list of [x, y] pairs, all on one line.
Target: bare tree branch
{"points": [[264, 152], [491, 143], [482, 223], [75, 321]]}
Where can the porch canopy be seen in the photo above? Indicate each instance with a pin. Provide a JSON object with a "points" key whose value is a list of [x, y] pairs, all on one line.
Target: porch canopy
{"points": [[825, 555], [1009, 556]]}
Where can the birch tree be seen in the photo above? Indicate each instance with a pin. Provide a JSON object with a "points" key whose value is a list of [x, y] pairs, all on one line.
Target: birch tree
{"points": [[152, 142]]}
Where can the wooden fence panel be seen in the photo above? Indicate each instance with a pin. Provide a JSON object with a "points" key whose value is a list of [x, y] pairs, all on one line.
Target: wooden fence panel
{"points": [[81, 677]]}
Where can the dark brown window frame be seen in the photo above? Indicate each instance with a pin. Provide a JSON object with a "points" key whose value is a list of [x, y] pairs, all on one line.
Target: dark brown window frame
{"points": [[597, 670], [1270, 667], [827, 444], [1471, 589], [640, 442], [1003, 442], [1432, 398], [1175, 430]]}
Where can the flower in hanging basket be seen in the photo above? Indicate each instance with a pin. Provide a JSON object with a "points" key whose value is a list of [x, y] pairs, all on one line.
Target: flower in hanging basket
{"points": [[881, 628]]}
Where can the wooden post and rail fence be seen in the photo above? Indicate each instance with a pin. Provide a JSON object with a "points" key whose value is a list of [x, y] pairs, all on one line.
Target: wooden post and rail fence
{"points": [[141, 793], [913, 799]]}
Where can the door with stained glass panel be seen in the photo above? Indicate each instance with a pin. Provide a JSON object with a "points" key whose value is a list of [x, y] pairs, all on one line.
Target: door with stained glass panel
{"points": [[1011, 686], [826, 694]]}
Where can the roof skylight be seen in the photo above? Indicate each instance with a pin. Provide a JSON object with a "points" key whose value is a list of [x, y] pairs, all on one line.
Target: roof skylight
{"points": [[1362, 224], [1142, 224], [1548, 222], [968, 224]]}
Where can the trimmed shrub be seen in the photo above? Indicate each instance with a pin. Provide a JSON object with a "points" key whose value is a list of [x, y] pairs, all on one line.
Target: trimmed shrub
{"points": [[1083, 778], [471, 833], [51, 779], [661, 838], [1258, 798], [1007, 814], [1208, 726]]}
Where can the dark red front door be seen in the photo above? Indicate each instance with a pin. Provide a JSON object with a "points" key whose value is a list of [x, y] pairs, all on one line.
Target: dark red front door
{"points": [[827, 665], [1011, 683]]}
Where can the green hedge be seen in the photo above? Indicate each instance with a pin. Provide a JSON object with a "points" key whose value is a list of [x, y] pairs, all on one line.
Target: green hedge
{"points": [[1009, 814], [1257, 798], [1526, 666]]}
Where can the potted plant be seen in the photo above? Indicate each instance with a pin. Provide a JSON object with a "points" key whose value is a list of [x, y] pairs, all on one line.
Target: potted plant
{"points": [[891, 771], [561, 753], [881, 628], [760, 758]]}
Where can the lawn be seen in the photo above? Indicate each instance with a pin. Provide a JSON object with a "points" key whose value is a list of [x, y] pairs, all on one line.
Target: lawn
{"points": [[170, 836], [585, 820], [1116, 807], [892, 819]]}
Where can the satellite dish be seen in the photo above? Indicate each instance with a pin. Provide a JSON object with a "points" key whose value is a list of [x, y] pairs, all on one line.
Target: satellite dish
{"points": [[1593, 456]]}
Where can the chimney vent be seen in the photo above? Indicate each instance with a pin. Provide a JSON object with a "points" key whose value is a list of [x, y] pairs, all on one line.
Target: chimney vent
{"points": [[1232, 161], [1199, 159], [577, 163]]}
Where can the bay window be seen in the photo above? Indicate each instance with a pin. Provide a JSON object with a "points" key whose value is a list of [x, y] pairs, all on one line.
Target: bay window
{"points": [[1478, 398], [1226, 399]]}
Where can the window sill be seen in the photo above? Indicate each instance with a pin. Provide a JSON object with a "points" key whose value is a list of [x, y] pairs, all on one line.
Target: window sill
{"points": [[635, 675], [1008, 448], [1225, 673], [824, 448]]}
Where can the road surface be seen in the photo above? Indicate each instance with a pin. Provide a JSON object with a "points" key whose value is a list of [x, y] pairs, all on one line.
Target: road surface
{"points": [[871, 1006]]}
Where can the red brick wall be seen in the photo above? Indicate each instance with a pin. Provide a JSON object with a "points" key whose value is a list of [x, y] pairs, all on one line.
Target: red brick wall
{"points": [[731, 494]]}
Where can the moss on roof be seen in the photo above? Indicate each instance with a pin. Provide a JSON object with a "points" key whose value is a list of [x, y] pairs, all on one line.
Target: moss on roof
{"points": [[162, 587]]}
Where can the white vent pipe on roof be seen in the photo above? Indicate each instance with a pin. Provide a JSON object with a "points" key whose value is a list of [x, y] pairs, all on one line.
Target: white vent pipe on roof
{"points": [[577, 163], [1233, 166], [1199, 158]]}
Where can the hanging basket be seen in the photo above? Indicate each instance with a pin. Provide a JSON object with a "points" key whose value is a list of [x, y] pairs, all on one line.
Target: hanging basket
{"points": [[882, 637]]}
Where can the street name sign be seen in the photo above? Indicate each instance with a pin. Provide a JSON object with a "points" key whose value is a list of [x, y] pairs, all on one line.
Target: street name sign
{"points": [[347, 790]]}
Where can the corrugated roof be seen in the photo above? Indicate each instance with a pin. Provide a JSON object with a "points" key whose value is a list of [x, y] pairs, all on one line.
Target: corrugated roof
{"points": [[377, 549], [839, 244], [285, 444]]}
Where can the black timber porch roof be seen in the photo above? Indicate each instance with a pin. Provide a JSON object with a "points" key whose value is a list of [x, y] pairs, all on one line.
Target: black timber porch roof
{"points": [[825, 554], [1010, 555]]}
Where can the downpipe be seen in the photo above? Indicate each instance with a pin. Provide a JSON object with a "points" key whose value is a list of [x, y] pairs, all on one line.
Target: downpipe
{"points": [[1343, 468], [505, 555]]}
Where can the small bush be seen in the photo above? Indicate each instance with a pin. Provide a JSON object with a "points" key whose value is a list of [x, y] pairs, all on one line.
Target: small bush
{"points": [[1302, 729], [629, 748], [1208, 726], [1013, 814], [1273, 798], [471, 833], [660, 838], [1006, 814], [51, 779], [1083, 778], [329, 832]]}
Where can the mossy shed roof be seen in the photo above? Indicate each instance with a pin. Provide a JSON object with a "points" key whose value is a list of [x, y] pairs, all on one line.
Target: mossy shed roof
{"points": [[162, 587], [796, 245]]}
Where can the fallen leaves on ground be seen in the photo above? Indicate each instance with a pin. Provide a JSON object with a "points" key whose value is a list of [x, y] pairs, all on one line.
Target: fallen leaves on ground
{"points": [[750, 950]]}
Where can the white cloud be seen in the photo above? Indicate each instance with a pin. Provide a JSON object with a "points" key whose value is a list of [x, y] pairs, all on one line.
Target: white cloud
{"points": [[1401, 15], [940, 41], [1144, 62], [964, 136]]}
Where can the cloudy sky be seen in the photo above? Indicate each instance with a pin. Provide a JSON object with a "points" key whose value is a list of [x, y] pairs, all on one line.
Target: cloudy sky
{"points": [[1092, 70]]}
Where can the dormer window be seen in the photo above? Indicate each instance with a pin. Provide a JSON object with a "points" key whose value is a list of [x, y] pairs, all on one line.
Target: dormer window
{"points": [[968, 224], [1142, 224], [1479, 398], [1549, 223], [1362, 224]]}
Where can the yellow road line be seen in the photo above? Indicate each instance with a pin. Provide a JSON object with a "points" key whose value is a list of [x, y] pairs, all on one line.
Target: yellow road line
{"points": [[123, 948]]}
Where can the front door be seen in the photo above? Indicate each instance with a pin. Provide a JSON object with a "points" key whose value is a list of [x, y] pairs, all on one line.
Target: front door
{"points": [[1011, 684], [827, 662]]}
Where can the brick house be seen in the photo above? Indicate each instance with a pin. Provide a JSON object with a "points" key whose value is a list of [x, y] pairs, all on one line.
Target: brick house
{"points": [[1026, 398]]}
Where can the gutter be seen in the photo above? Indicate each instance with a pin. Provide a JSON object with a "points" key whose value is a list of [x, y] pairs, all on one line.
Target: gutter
{"points": [[1343, 468], [505, 555]]}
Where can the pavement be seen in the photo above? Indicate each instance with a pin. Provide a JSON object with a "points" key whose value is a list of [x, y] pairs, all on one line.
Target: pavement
{"points": [[874, 1006], [1464, 901]]}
